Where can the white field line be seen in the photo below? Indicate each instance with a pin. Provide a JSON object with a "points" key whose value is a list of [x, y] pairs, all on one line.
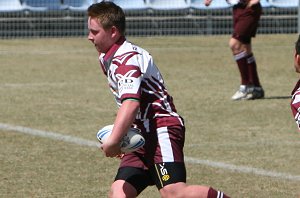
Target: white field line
{"points": [[247, 144], [83, 142], [49, 134], [86, 50], [243, 169], [30, 85]]}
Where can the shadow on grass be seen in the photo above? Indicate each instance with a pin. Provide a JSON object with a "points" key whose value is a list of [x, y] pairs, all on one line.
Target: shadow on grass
{"points": [[277, 97]]}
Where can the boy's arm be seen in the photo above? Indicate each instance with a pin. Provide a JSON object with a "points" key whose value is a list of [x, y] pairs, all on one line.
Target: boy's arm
{"points": [[252, 2], [207, 2], [124, 119]]}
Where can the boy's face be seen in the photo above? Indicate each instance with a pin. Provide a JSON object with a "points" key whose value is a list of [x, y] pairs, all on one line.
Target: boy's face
{"points": [[297, 62], [101, 38]]}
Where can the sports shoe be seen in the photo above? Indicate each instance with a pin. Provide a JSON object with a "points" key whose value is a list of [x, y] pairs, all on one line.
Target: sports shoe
{"points": [[248, 92], [255, 93], [241, 93]]}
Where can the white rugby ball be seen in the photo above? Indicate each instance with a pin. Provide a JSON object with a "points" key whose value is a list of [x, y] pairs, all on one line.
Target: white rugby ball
{"points": [[132, 141]]}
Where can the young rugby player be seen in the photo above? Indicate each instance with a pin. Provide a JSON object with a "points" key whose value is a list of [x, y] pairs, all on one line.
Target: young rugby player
{"points": [[246, 15], [143, 100], [295, 103]]}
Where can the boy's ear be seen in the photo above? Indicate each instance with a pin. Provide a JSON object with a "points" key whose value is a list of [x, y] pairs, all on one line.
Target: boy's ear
{"points": [[114, 31], [297, 58]]}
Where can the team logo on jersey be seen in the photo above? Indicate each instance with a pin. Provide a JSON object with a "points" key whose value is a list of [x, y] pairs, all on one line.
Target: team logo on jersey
{"points": [[127, 83]]}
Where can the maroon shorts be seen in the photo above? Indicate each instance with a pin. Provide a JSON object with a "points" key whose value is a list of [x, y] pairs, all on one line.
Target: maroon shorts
{"points": [[163, 144], [245, 22]]}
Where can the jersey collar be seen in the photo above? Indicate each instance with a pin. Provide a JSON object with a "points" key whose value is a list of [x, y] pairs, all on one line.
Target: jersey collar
{"points": [[105, 59], [109, 54]]}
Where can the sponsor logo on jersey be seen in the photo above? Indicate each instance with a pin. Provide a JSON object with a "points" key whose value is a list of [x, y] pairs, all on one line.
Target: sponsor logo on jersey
{"points": [[127, 83], [164, 172]]}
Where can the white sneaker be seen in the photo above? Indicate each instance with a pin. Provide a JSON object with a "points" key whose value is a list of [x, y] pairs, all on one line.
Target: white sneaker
{"points": [[248, 92], [241, 93]]}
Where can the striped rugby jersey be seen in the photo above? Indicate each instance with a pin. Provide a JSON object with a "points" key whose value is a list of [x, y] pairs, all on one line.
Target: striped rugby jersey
{"points": [[295, 104], [132, 74]]}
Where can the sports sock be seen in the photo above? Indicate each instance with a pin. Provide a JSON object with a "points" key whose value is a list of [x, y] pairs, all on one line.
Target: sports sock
{"points": [[241, 60], [212, 193], [252, 70]]}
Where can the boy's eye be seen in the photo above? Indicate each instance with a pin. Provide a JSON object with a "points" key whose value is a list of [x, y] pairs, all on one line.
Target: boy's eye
{"points": [[94, 32]]}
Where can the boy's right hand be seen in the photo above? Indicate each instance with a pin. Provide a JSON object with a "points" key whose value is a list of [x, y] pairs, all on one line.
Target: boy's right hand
{"points": [[111, 148]]}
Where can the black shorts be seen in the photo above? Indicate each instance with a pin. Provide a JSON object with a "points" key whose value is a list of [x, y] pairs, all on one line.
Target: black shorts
{"points": [[160, 174]]}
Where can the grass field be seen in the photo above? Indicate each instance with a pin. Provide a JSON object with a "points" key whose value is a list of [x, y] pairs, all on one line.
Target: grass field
{"points": [[247, 148]]}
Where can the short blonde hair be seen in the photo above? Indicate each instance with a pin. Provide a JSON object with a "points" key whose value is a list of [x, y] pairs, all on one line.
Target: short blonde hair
{"points": [[108, 14]]}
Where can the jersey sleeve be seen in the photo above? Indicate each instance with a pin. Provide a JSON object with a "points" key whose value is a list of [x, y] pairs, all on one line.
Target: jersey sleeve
{"points": [[129, 82], [295, 104]]}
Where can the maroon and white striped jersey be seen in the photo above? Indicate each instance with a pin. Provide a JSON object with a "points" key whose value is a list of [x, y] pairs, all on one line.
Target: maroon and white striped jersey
{"points": [[132, 74], [295, 104]]}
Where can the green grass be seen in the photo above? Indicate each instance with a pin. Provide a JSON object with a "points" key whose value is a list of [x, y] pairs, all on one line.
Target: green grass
{"points": [[57, 85]]}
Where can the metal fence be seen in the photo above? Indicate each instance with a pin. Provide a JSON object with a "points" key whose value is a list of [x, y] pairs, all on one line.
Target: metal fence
{"points": [[141, 22]]}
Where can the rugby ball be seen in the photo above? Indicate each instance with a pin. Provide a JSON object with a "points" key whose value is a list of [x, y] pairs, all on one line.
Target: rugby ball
{"points": [[132, 141]]}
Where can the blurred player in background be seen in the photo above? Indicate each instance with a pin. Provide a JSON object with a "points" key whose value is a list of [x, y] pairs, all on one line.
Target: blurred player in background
{"points": [[246, 15], [143, 100], [295, 103]]}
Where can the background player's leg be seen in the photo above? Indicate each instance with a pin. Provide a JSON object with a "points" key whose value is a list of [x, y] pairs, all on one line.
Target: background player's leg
{"points": [[240, 54]]}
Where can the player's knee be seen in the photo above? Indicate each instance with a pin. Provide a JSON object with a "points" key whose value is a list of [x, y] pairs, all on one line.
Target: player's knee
{"points": [[172, 191], [237, 47], [119, 193], [121, 189], [169, 194], [114, 192], [234, 45]]}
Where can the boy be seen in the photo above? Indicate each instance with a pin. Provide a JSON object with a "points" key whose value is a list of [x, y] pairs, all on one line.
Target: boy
{"points": [[144, 101], [295, 103], [246, 15]]}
